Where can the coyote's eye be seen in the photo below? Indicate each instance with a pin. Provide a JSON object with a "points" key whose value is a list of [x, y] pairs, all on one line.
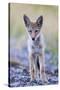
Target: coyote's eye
{"points": [[36, 30], [30, 31]]}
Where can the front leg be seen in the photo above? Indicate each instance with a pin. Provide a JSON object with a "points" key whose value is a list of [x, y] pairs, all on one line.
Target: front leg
{"points": [[32, 66], [42, 67]]}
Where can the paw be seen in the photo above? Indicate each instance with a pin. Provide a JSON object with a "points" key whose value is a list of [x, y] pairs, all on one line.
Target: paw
{"points": [[44, 80], [32, 79]]}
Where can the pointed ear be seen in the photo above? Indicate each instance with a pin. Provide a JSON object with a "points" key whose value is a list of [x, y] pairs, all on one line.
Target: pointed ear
{"points": [[26, 21], [39, 21]]}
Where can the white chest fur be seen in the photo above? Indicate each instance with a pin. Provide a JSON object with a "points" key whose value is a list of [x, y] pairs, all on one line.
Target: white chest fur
{"points": [[37, 46]]}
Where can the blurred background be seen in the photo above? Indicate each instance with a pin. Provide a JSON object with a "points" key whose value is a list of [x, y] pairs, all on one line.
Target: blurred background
{"points": [[18, 40], [18, 35]]}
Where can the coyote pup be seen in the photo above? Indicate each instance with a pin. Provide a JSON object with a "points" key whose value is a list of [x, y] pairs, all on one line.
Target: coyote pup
{"points": [[35, 48]]}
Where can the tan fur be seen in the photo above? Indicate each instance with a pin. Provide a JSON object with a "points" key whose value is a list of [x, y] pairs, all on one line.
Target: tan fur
{"points": [[36, 48]]}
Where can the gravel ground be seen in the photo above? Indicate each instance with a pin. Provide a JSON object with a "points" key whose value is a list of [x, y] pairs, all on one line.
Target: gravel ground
{"points": [[20, 77]]}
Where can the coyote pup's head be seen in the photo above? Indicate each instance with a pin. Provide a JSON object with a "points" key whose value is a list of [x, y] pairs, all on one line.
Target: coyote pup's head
{"points": [[33, 27]]}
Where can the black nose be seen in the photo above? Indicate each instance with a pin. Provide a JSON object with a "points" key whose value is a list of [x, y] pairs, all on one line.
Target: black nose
{"points": [[33, 39]]}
